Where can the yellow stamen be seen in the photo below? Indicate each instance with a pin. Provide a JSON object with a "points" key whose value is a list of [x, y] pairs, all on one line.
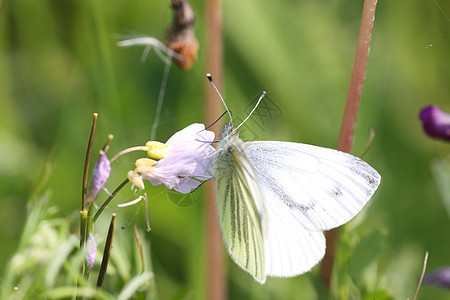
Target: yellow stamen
{"points": [[157, 150], [135, 179], [145, 162]]}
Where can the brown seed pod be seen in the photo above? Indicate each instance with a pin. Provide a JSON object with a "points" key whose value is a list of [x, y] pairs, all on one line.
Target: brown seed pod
{"points": [[180, 36]]}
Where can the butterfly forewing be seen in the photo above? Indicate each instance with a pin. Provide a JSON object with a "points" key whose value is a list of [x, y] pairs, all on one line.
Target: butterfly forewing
{"points": [[240, 217], [325, 188]]}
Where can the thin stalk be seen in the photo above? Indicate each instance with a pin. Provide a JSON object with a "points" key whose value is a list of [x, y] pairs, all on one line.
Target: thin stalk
{"points": [[138, 243], [98, 213], [83, 225], [106, 252], [83, 212], [87, 162], [215, 277], [422, 275], [162, 92], [369, 142], [349, 118]]}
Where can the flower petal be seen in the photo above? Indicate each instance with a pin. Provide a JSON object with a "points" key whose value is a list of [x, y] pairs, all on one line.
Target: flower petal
{"points": [[204, 169], [170, 170], [132, 202], [187, 185], [191, 138]]}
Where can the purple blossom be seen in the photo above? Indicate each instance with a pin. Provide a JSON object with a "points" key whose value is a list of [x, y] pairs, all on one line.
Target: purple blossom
{"points": [[184, 159], [440, 278], [91, 251], [436, 122], [100, 175]]}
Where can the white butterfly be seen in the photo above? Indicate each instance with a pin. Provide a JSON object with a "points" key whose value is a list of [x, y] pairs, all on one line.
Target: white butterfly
{"points": [[275, 199]]}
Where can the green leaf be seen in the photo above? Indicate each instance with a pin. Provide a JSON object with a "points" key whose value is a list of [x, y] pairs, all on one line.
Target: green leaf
{"points": [[60, 257], [139, 282], [66, 292]]}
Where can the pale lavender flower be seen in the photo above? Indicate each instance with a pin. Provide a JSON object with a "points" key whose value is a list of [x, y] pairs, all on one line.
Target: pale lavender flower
{"points": [[91, 251], [440, 278], [436, 122], [183, 160], [100, 175]]}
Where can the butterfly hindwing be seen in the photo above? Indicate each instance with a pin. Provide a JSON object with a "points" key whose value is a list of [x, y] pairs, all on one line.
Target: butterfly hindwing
{"points": [[239, 216], [290, 248]]}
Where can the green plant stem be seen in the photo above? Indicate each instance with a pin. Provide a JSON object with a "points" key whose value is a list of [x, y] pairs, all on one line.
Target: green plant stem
{"points": [[349, 118], [83, 212], [90, 222], [98, 213], [106, 252], [83, 224], [138, 243], [369, 142], [87, 162]]}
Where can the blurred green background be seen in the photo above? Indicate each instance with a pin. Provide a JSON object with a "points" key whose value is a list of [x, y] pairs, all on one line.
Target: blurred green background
{"points": [[59, 63]]}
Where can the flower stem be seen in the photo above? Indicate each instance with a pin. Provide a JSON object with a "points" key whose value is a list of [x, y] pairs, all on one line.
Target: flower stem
{"points": [[138, 243], [108, 141], [349, 118], [83, 212], [162, 92], [83, 224], [423, 274], [106, 252], [369, 142], [98, 213], [86, 163]]}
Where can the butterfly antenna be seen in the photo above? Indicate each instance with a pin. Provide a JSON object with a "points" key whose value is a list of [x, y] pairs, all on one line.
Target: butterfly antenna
{"points": [[220, 96], [221, 116], [254, 108]]}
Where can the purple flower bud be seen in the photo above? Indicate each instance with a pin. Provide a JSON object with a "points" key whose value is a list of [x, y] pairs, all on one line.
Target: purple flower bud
{"points": [[91, 251], [440, 278], [100, 175], [436, 122]]}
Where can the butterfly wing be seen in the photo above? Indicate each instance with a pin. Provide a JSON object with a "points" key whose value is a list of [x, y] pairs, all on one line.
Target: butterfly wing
{"points": [[306, 189], [239, 215], [290, 249], [325, 187]]}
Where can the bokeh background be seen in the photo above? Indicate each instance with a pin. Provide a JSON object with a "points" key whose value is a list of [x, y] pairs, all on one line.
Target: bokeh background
{"points": [[59, 63]]}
